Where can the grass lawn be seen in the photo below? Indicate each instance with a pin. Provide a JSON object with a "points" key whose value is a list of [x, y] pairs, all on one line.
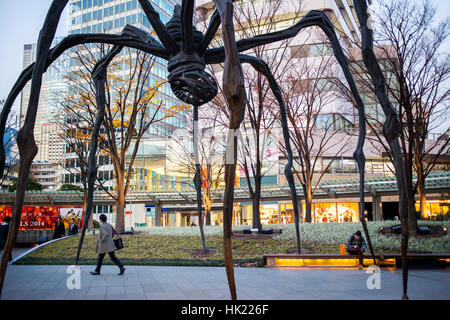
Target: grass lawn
{"points": [[143, 249], [174, 246]]}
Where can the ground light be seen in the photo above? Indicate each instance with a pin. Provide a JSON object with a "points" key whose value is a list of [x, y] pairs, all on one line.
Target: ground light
{"points": [[348, 262]]}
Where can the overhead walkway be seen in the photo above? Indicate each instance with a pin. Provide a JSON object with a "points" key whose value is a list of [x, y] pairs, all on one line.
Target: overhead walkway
{"points": [[436, 182]]}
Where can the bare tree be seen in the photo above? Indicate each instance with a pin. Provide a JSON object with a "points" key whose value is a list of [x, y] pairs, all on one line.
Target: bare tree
{"points": [[75, 134], [210, 158], [316, 117], [131, 108]]}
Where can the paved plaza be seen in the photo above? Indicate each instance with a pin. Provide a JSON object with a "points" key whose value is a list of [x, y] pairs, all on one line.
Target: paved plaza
{"points": [[210, 283]]}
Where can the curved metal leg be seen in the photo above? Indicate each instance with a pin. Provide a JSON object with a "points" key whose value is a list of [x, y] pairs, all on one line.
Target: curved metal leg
{"points": [[262, 67], [99, 75], [159, 27], [320, 19], [187, 11], [391, 129], [233, 87], [358, 155], [24, 77], [25, 138], [214, 24]]}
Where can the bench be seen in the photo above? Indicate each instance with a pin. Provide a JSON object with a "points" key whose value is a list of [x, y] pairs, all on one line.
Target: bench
{"points": [[337, 260], [255, 230]]}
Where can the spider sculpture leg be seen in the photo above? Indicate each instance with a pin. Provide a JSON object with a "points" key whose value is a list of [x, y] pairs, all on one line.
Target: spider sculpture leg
{"points": [[187, 10], [262, 67], [390, 129], [320, 19], [214, 24], [327, 26], [25, 138], [198, 178], [99, 76], [159, 27], [233, 87], [17, 88]]}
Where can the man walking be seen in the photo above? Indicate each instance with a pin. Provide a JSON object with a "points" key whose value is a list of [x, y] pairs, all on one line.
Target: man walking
{"points": [[105, 245]]}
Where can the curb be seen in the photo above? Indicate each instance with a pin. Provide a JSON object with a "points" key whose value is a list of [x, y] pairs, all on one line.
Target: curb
{"points": [[23, 255]]}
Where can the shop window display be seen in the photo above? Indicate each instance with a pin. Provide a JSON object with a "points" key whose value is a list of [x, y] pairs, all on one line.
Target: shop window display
{"points": [[348, 212], [325, 212], [286, 213], [269, 214]]}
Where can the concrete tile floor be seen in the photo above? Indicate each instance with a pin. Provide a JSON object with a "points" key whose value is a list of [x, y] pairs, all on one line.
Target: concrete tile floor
{"points": [[209, 283]]}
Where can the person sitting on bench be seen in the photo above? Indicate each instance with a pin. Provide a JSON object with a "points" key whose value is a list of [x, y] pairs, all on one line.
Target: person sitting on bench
{"points": [[356, 246]]}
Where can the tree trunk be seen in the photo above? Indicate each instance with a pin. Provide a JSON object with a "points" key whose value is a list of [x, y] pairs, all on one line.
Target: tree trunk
{"points": [[412, 216], [91, 217], [208, 203], [208, 215], [256, 203], [411, 210], [256, 219], [422, 198], [120, 203], [308, 203]]}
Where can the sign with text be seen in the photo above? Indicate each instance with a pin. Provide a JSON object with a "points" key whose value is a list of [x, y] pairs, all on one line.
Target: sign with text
{"points": [[43, 217]]}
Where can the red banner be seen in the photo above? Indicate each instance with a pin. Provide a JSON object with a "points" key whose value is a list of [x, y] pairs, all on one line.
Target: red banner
{"points": [[44, 217]]}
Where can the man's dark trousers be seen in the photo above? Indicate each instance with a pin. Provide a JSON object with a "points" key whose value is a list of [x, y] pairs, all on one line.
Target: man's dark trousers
{"points": [[113, 258], [358, 252]]}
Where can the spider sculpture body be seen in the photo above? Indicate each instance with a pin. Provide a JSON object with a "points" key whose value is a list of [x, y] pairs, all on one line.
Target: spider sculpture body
{"points": [[187, 53]]}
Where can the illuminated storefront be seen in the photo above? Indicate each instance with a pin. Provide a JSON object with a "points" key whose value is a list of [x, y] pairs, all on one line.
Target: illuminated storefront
{"points": [[335, 212], [321, 212], [435, 209]]}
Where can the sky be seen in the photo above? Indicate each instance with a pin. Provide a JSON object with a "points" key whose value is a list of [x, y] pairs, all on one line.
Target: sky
{"points": [[21, 21]]}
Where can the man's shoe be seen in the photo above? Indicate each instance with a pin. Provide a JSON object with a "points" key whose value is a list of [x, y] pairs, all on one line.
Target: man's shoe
{"points": [[95, 273], [122, 271]]}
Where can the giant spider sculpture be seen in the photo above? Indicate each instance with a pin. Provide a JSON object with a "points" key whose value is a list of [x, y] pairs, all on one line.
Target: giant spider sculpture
{"points": [[187, 53]]}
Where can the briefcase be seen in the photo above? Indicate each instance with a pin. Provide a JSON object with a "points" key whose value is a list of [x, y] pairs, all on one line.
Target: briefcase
{"points": [[118, 243]]}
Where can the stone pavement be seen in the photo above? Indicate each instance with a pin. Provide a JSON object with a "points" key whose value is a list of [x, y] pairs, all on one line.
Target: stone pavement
{"points": [[210, 283]]}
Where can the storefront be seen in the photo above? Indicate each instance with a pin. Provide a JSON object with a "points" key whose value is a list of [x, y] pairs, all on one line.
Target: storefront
{"points": [[435, 209], [268, 213], [335, 212], [180, 216], [321, 212], [282, 212]]}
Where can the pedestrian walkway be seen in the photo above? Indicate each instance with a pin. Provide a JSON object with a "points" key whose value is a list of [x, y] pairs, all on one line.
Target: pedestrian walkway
{"points": [[210, 283]]}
